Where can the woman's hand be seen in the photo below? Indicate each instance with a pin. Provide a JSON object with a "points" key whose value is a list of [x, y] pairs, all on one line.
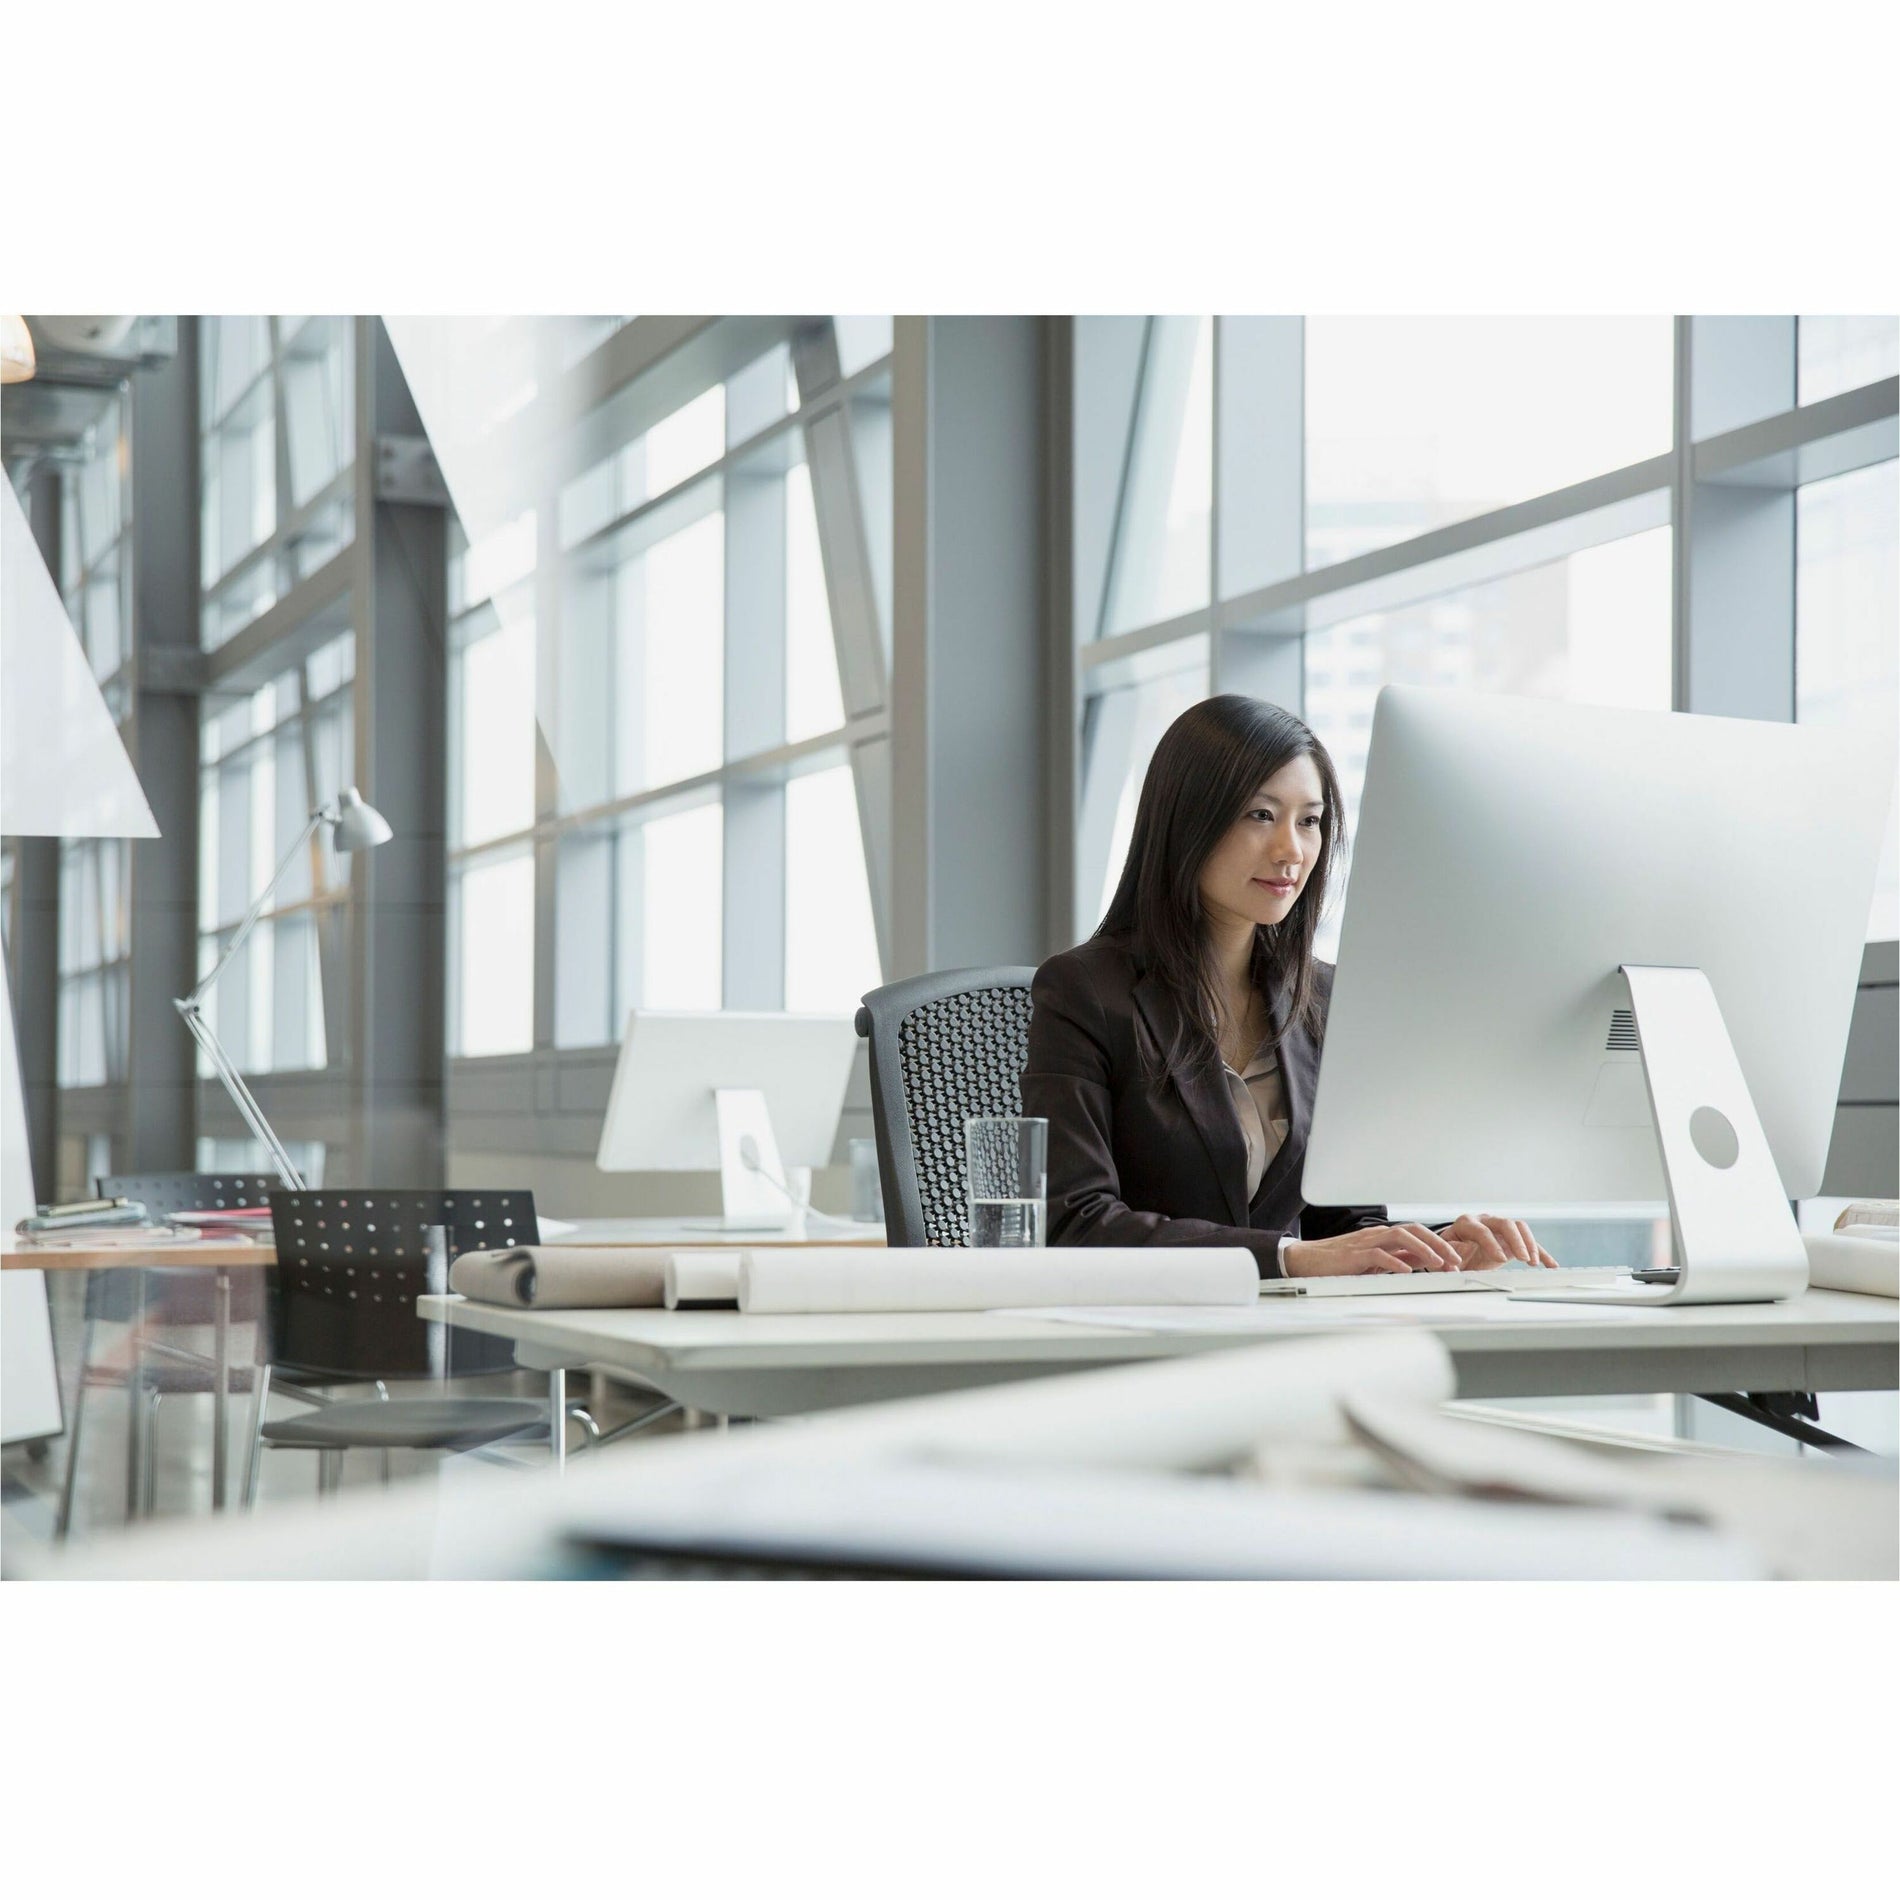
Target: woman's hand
{"points": [[1405, 1249], [1489, 1240]]}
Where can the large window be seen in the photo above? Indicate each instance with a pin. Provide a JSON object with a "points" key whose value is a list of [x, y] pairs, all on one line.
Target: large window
{"points": [[1308, 510], [1842, 353], [95, 585], [94, 971], [277, 422], [1847, 605], [95, 549], [267, 759], [650, 735], [1237, 477], [1415, 422]]}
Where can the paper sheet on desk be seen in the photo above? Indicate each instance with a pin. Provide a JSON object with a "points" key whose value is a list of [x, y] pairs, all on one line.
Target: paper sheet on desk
{"points": [[1259, 1320]]}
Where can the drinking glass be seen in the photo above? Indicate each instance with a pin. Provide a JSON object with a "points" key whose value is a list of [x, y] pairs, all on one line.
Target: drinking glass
{"points": [[1008, 1158]]}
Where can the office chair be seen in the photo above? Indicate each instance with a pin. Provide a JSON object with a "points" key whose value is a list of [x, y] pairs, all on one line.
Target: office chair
{"points": [[342, 1308], [943, 1047], [171, 1296]]}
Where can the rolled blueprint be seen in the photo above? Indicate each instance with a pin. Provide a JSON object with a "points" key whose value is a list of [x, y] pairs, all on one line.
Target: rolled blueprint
{"points": [[563, 1276], [1850, 1264], [979, 1279]]}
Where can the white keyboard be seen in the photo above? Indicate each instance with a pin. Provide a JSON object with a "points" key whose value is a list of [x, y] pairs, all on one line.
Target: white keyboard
{"points": [[1512, 1278]]}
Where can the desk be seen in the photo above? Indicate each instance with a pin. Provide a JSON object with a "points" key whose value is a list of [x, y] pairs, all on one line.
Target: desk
{"points": [[776, 1365]]}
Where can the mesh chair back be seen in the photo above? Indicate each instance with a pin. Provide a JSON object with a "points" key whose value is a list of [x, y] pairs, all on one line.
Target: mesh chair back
{"points": [[183, 1296], [351, 1262], [943, 1048]]}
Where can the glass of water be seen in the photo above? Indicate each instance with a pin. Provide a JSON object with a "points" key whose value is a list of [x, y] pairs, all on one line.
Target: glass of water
{"points": [[1009, 1179]]}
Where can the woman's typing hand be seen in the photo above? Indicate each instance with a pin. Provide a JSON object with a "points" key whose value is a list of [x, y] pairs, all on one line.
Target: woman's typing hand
{"points": [[1406, 1248], [1489, 1240]]}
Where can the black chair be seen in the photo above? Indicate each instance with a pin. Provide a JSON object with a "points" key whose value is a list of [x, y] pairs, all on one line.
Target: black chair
{"points": [[342, 1308], [943, 1047], [168, 1296]]}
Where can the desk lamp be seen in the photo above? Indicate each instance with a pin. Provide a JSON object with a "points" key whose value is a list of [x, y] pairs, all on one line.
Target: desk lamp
{"points": [[358, 827]]}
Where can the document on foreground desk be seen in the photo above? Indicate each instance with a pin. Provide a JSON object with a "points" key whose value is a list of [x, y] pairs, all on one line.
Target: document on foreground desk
{"points": [[909, 1518], [1808, 1519], [1106, 1474]]}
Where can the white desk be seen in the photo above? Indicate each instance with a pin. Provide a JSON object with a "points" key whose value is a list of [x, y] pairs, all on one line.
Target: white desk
{"points": [[771, 1366]]}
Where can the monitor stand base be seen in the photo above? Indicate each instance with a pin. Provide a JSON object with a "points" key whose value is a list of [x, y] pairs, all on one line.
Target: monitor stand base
{"points": [[753, 1196], [1735, 1234]]}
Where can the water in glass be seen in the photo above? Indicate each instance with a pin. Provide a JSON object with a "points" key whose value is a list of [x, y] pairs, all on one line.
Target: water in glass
{"points": [[1006, 1223]]}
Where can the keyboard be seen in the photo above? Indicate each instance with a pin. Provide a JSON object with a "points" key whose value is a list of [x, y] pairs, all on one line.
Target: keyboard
{"points": [[1510, 1278]]}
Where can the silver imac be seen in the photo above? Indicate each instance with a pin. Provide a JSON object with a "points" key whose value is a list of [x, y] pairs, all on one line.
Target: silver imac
{"points": [[1593, 954], [743, 1091]]}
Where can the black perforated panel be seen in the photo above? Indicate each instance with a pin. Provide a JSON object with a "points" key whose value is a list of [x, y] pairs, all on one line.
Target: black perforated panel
{"points": [[961, 1055], [350, 1265], [167, 1194]]}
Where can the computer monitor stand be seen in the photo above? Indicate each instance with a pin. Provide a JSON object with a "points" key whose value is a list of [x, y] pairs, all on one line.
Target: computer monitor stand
{"points": [[751, 1180], [1735, 1234]]}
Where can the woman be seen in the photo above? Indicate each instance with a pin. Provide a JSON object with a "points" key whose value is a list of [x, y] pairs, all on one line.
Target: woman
{"points": [[1174, 1054]]}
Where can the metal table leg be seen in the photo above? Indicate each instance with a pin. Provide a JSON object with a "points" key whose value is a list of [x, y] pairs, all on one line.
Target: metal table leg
{"points": [[134, 1394], [221, 1392], [557, 1418]]}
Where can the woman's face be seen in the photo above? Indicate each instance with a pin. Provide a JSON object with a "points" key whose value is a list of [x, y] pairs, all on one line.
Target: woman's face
{"points": [[1260, 867]]}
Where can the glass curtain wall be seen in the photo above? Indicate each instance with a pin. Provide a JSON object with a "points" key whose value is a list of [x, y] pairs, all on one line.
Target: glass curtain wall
{"points": [[267, 759], [277, 406], [654, 593], [277, 423], [1306, 510], [95, 585]]}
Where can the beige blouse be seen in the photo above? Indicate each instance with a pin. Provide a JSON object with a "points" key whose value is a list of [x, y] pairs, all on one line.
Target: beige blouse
{"points": [[1259, 1098]]}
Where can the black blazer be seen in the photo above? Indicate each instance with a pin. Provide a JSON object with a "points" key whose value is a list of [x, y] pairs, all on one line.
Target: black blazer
{"points": [[1135, 1164]]}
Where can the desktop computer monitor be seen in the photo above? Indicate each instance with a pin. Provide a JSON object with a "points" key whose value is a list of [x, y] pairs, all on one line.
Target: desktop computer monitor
{"points": [[1593, 954], [743, 1091]]}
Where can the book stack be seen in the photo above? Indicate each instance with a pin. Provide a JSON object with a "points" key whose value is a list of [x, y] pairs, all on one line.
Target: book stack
{"points": [[95, 1224]]}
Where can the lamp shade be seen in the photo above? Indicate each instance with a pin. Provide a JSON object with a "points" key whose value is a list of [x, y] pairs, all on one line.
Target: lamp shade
{"points": [[359, 827], [16, 351]]}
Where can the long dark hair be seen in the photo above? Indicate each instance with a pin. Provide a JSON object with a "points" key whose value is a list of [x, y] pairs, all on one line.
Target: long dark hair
{"points": [[1202, 777]]}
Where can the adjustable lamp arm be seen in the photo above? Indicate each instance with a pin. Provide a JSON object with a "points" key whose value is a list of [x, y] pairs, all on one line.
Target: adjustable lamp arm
{"points": [[358, 827], [323, 813]]}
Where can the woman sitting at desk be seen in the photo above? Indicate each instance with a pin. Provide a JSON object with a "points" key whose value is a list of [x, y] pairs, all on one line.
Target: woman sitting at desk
{"points": [[1174, 1054]]}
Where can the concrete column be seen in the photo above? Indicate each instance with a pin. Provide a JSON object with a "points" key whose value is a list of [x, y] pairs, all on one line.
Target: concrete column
{"points": [[160, 1122], [398, 928], [969, 793]]}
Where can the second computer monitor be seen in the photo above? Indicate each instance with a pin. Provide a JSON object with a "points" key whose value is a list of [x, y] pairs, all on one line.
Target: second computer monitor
{"points": [[749, 1092]]}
